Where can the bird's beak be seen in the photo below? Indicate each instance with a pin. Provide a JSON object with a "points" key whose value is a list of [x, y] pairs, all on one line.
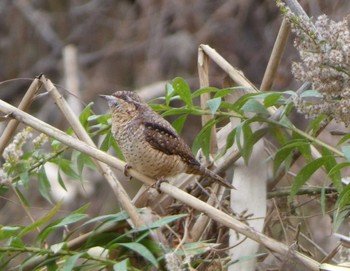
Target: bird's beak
{"points": [[111, 100]]}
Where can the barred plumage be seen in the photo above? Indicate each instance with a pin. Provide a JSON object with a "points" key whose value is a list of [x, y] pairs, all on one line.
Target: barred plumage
{"points": [[149, 143]]}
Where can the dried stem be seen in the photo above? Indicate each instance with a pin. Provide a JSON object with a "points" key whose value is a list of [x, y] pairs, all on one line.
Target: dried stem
{"points": [[203, 74], [276, 56], [24, 105], [71, 77], [235, 75], [285, 191]]}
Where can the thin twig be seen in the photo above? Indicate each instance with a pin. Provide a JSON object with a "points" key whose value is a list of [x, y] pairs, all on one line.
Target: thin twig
{"points": [[203, 221], [236, 76], [296, 8], [24, 105], [280, 220], [276, 56], [285, 192]]}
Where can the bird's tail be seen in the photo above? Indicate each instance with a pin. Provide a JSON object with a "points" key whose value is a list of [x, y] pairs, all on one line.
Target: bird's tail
{"points": [[202, 170]]}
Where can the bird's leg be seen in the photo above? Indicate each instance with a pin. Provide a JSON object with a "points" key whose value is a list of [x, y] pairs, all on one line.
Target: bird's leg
{"points": [[157, 184], [126, 171]]}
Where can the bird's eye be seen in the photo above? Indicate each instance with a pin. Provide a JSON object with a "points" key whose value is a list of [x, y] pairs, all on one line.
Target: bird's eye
{"points": [[128, 99]]}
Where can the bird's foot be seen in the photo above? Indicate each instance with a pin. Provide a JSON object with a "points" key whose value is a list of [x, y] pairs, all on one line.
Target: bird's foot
{"points": [[126, 171], [157, 184]]}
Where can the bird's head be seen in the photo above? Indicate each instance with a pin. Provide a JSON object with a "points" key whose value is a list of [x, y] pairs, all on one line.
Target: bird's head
{"points": [[123, 103]]}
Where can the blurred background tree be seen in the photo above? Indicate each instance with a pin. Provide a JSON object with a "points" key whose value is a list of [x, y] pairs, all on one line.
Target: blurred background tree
{"points": [[130, 44]]}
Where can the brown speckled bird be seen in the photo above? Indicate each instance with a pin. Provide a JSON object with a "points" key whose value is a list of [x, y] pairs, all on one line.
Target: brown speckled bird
{"points": [[149, 143]]}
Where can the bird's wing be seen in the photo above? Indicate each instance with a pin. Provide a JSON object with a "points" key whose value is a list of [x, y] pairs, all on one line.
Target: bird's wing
{"points": [[167, 141]]}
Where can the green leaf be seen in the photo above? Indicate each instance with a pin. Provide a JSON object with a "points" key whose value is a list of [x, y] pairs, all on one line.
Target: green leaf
{"points": [[145, 229], [181, 110], [286, 151], [336, 171], [214, 104], [142, 250], [310, 93], [315, 124], [22, 197], [24, 177], [285, 122], [250, 141], [305, 173], [53, 226], [202, 140], [346, 151], [238, 135], [101, 119], [271, 99], [230, 139], [243, 131], [70, 262], [342, 207], [51, 264], [169, 93], [16, 242], [106, 143], [67, 167], [183, 90], [8, 231], [111, 217], [60, 180], [55, 144], [41, 221], [196, 248], [159, 107], [44, 184], [225, 91], [278, 133], [179, 123], [70, 219], [201, 91], [84, 116], [255, 106], [121, 266], [344, 139], [329, 166], [84, 160], [160, 222]]}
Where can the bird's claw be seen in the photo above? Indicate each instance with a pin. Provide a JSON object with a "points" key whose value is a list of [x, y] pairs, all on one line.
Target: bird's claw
{"points": [[126, 170], [157, 184]]}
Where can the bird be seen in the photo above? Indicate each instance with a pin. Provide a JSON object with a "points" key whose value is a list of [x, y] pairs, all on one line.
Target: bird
{"points": [[149, 143]]}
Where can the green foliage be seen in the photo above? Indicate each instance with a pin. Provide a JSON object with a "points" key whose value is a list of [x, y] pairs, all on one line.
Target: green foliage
{"points": [[255, 120], [253, 111]]}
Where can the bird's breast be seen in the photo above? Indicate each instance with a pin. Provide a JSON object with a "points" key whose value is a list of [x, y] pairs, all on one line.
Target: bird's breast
{"points": [[140, 155]]}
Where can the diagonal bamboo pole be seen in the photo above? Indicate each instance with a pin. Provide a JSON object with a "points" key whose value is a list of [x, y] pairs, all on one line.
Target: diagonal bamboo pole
{"points": [[276, 56], [24, 105]]}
